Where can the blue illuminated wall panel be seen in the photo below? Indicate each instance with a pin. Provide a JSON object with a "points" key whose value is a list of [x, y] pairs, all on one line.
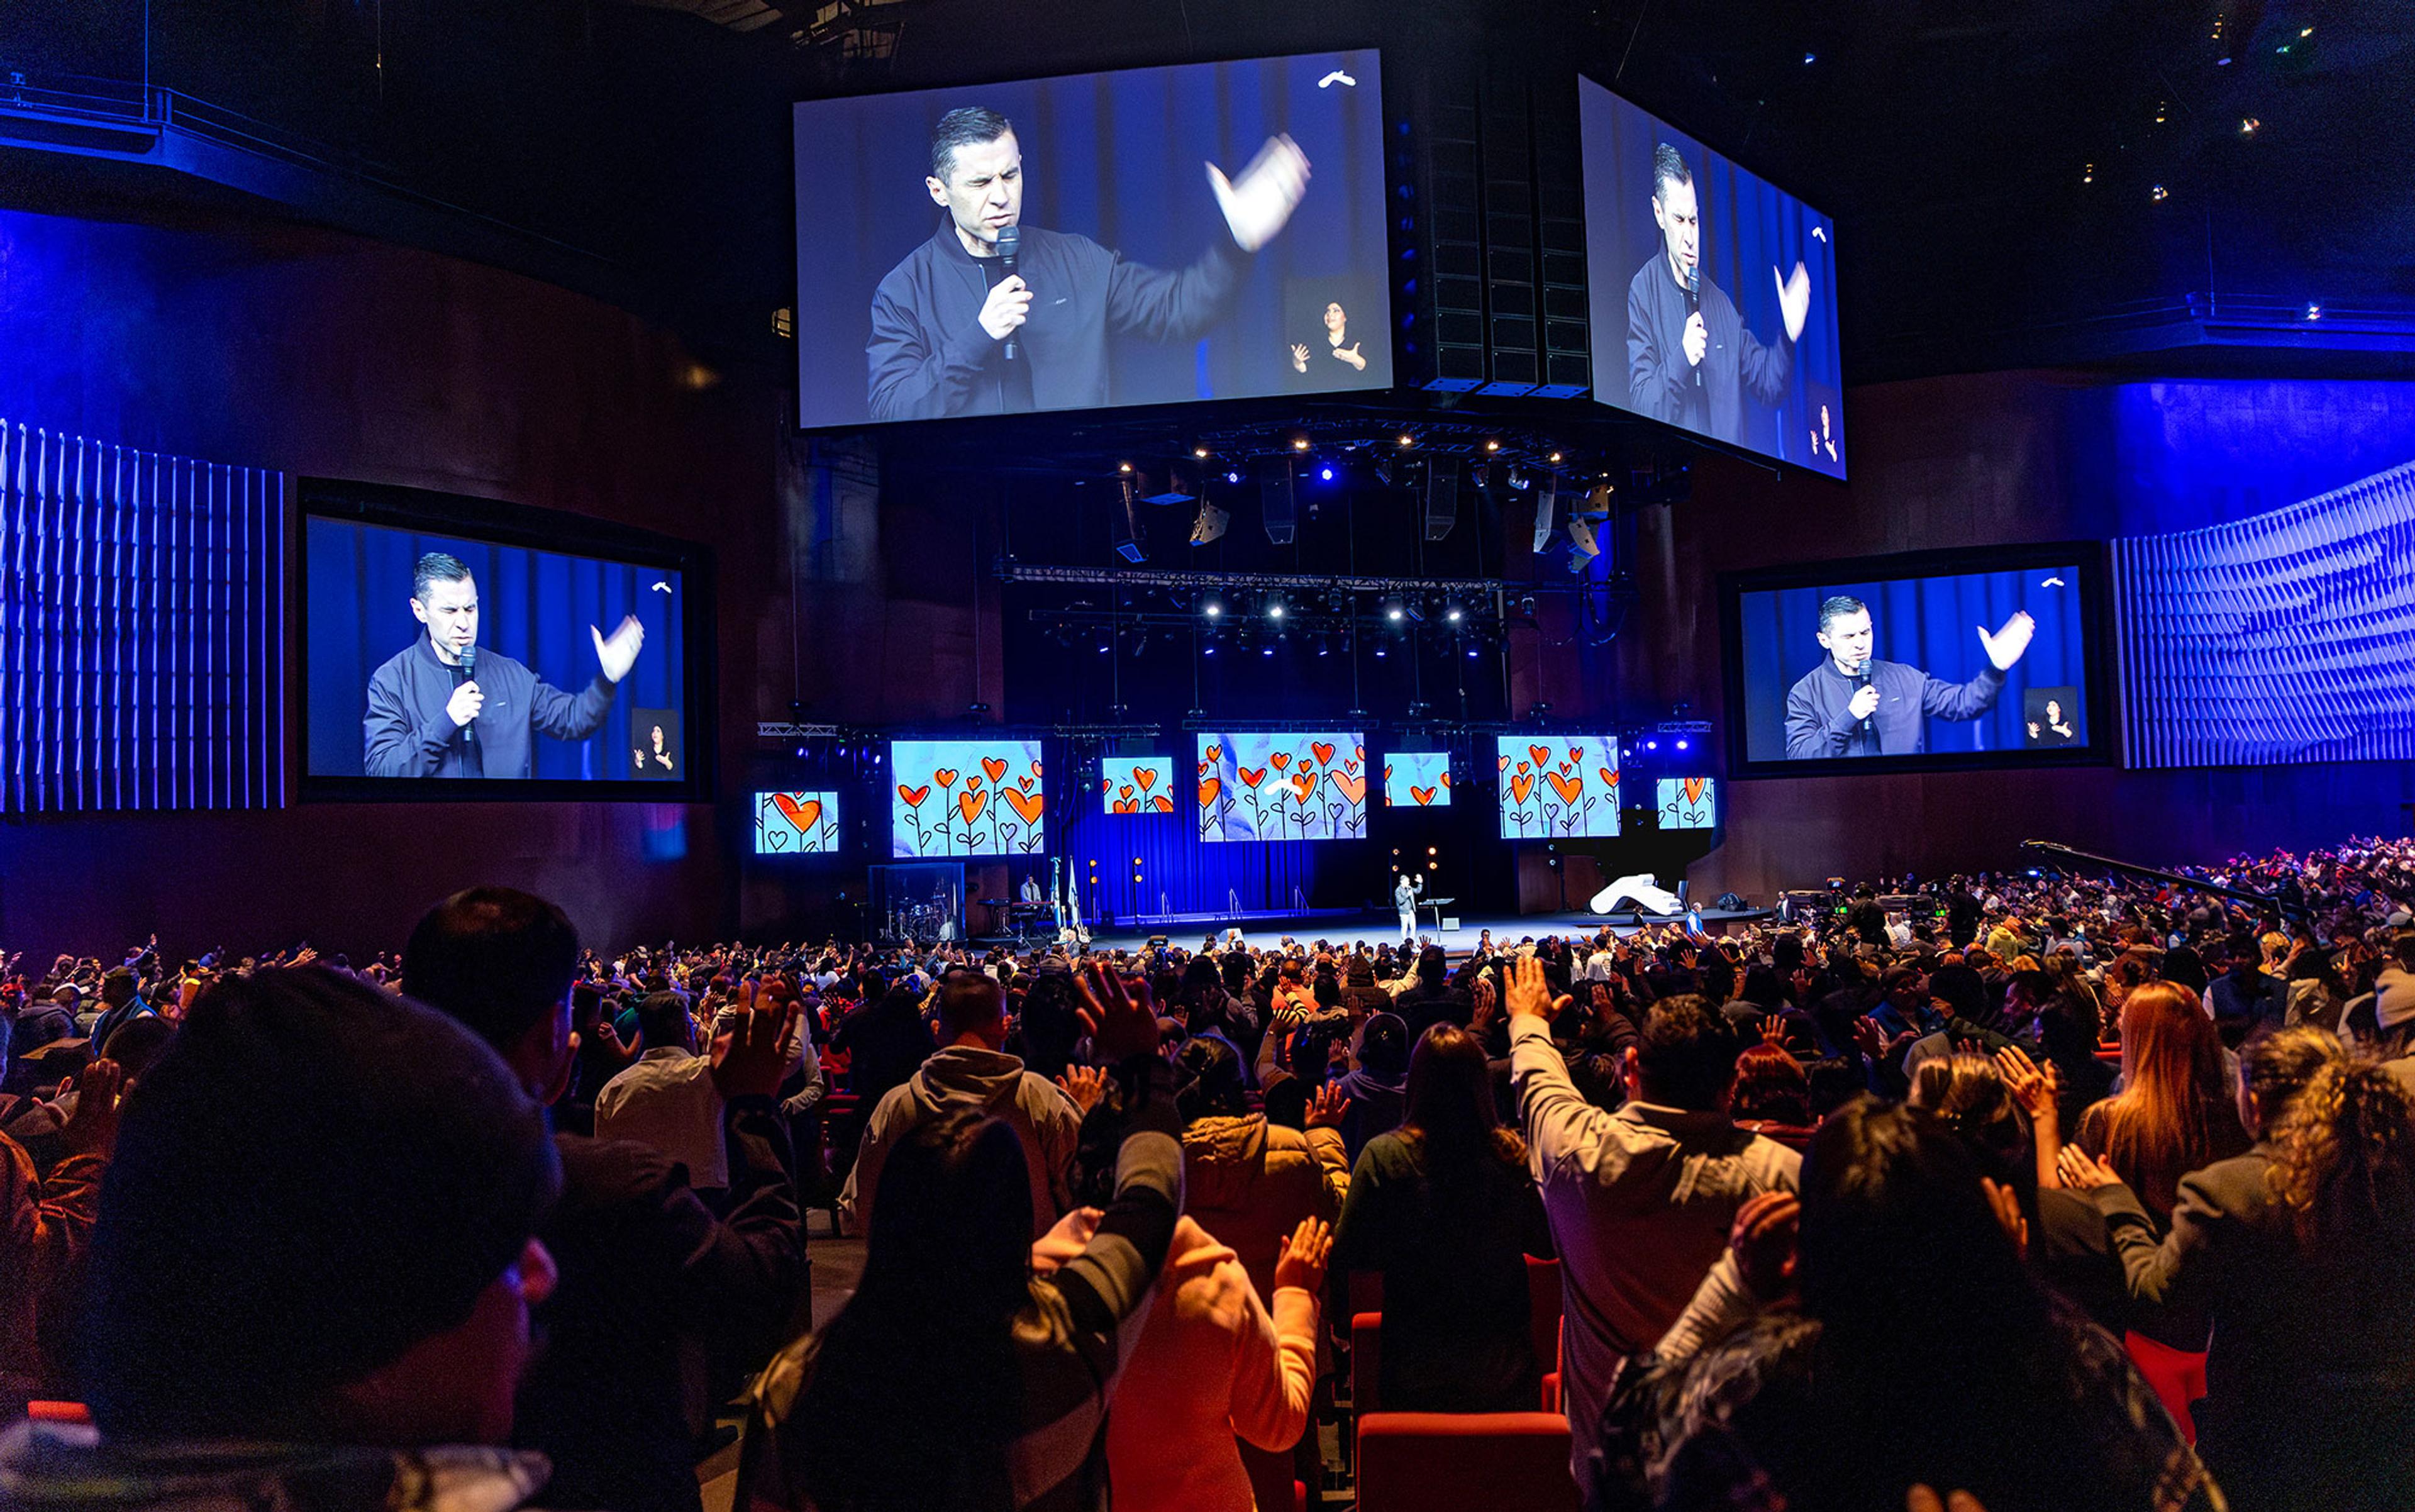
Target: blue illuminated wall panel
{"points": [[2289, 636], [141, 629]]}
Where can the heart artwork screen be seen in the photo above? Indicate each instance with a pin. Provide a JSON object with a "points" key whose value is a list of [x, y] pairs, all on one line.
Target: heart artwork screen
{"points": [[1282, 786], [966, 797], [1558, 787], [795, 824], [1416, 779], [1136, 785], [1687, 804]]}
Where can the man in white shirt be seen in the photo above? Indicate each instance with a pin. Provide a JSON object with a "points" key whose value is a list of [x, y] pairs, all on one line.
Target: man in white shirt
{"points": [[667, 1100], [1639, 1200]]}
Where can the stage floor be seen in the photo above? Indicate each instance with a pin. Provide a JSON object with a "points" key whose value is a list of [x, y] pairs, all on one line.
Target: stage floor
{"points": [[1375, 929]]}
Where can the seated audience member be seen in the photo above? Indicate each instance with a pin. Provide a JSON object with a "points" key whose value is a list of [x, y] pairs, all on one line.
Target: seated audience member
{"points": [[45, 1224], [975, 1071], [2246, 996], [1639, 1200], [667, 1098], [2287, 1265], [972, 1368], [312, 1273], [647, 1270], [1213, 1364], [1907, 1274], [1443, 1208], [1252, 1182], [2175, 1111], [1771, 1096]]}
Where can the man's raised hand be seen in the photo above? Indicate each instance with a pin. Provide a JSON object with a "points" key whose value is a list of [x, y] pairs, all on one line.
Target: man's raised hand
{"points": [[1530, 992], [1793, 300], [618, 651], [1119, 1018], [2005, 646], [752, 1058], [1259, 201]]}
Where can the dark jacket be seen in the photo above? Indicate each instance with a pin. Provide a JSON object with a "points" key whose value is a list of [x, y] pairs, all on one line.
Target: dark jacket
{"points": [[929, 356], [1451, 1244], [67, 1469], [886, 1041], [646, 1267], [2310, 1351], [1819, 724], [408, 733], [1660, 381]]}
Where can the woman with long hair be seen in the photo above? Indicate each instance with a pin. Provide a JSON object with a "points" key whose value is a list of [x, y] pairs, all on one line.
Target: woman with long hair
{"points": [[2175, 1111], [1900, 1341], [1444, 1208], [970, 1370], [2287, 1265]]}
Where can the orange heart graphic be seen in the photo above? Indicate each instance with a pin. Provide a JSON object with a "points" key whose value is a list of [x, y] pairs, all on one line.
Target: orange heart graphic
{"points": [[1358, 751], [1025, 783], [972, 785], [1323, 750], [1122, 807], [1106, 784], [1542, 754], [913, 795], [800, 814], [1608, 778], [1252, 776], [1351, 788], [1694, 786], [945, 776], [1568, 787], [1522, 768], [1215, 753], [972, 804], [1303, 783], [1127, 791], [1280, 761], [1446, 779], [1388, 772], [1576, 754], [1146, 776], [994, 767], [1035, 769], [1027, 805], [1350, 766], [1505, 763], [1165, 804], [1424, 795], [1521, 787], [1207, 791]]}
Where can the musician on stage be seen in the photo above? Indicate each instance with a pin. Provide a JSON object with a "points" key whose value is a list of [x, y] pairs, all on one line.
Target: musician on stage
{"points": [[1404, 898]]}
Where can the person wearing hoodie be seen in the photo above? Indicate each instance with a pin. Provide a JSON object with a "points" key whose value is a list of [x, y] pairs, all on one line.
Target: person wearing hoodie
{"points": [[1376, 1082], [1251, 1183], [1213, 1365], [974, 1071]]}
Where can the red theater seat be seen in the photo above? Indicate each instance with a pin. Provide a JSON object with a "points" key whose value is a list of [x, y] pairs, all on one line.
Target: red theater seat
{"points": [[1366, 1361], [1453, 1462], [59, 1412], [2177, 1376]]}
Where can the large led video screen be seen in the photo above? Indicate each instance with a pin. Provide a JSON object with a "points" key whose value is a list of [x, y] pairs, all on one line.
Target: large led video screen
{"points": [[1416, 779], [1259, 786], [1851, 664], [1209, 230], [1713, 292], [439, 658], [1136, 785], [796, 823], [1688, 802], [980, 797], [1558, 787]]}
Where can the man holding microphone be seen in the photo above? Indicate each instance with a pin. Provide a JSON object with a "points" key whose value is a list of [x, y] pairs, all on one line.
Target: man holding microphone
{"points": [[443, 708], [1853, 705]]}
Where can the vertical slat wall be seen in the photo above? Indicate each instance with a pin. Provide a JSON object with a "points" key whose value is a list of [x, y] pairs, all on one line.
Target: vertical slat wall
{"points": [[2289, 636], [141, 629]]}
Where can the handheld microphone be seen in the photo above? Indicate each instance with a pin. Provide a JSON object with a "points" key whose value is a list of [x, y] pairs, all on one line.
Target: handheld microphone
{"points": [[1693, 307], [470, 674], [1861, 681], [1009, 245]]}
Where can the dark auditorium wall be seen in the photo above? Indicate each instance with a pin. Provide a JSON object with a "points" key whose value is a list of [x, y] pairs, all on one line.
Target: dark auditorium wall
{"points": [[292, 348], [1994, 458]]}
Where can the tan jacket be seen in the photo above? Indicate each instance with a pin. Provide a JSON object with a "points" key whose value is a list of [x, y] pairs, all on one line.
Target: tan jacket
{"points": [[1252, 1182]]}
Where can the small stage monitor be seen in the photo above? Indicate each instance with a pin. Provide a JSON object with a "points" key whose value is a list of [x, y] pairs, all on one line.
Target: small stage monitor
{"points": [[1416, 779]]}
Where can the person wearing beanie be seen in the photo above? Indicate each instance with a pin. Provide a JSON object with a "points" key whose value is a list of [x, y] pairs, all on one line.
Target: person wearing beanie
{"points": [[648, 1272], [310, 1278]]}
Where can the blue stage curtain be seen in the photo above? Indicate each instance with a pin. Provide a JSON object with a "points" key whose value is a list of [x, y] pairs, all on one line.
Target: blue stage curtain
{"points": [[141, 629], [1193, 875]]}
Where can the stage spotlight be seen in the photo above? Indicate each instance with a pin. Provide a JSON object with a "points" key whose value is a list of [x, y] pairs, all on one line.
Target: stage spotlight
{"points": [[1275, 609], [1379, 649], [1107, 643], [1683, 745], [1213, 606], [1471, 653], [1491, 445], [1325, 644], [1651, 745], [1299, 443], [1209, 650], [1394, 610], [1453, 613], [1520, 479], [1555, 458], [1408, 439], [1267, 649], [1231, 475], [1199, 452], [1124, 468], [1325, 473]]}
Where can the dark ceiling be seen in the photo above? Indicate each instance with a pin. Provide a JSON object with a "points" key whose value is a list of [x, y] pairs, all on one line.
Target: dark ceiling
{"points": [[1993, 166]]}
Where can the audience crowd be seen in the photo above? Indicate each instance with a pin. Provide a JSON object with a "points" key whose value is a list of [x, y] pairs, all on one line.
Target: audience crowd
{"points": [[2021, 1192]]}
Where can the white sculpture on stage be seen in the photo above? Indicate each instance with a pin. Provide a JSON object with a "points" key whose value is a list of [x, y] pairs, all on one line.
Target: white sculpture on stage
{"points": [[1647, 895]]}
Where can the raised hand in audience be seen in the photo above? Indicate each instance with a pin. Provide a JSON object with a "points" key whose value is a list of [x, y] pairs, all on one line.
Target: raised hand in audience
{"points": [[1327, 1108], [1117, 1015], [2006, 1205], [2083, 1172], [1530, 990], [750, 1058], [1301, 1260], [1084, 1084], [92, 1127]]}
